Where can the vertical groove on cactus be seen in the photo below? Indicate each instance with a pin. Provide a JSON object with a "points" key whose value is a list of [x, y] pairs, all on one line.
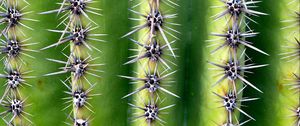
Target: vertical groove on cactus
{"points": [[230, 47], [14, 46], [154, 57], [290, 56], [77, 35]]}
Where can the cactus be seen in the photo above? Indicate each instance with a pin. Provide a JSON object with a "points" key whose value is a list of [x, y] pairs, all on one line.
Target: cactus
{"points": [[77, 33], [154, 62], [155, 28], [229, 48], [290, 65], [15, 45]]}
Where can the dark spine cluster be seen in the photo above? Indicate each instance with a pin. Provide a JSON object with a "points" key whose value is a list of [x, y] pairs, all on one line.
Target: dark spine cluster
{"points": [[154, 54], [77, 35], [234, 39], [14, 46]]}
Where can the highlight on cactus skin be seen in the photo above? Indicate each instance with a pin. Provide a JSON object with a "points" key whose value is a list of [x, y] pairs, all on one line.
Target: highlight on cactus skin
{"points": [[77, 36], [236, 64], [155, 31]]}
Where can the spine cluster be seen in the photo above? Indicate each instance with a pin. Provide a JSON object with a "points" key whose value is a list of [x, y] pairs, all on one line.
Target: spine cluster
{"points": [[154, 55], [291, 55], [77, 34], [15, 46], [231, 72]]}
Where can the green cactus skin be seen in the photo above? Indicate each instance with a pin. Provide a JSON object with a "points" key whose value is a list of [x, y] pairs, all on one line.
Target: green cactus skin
{"points": [[196, 105], [265, 112], [289, 69], [115, 53]]}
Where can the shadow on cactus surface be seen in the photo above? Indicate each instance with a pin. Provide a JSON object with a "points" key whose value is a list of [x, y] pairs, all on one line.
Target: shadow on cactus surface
{"points": [[150, 62]]}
